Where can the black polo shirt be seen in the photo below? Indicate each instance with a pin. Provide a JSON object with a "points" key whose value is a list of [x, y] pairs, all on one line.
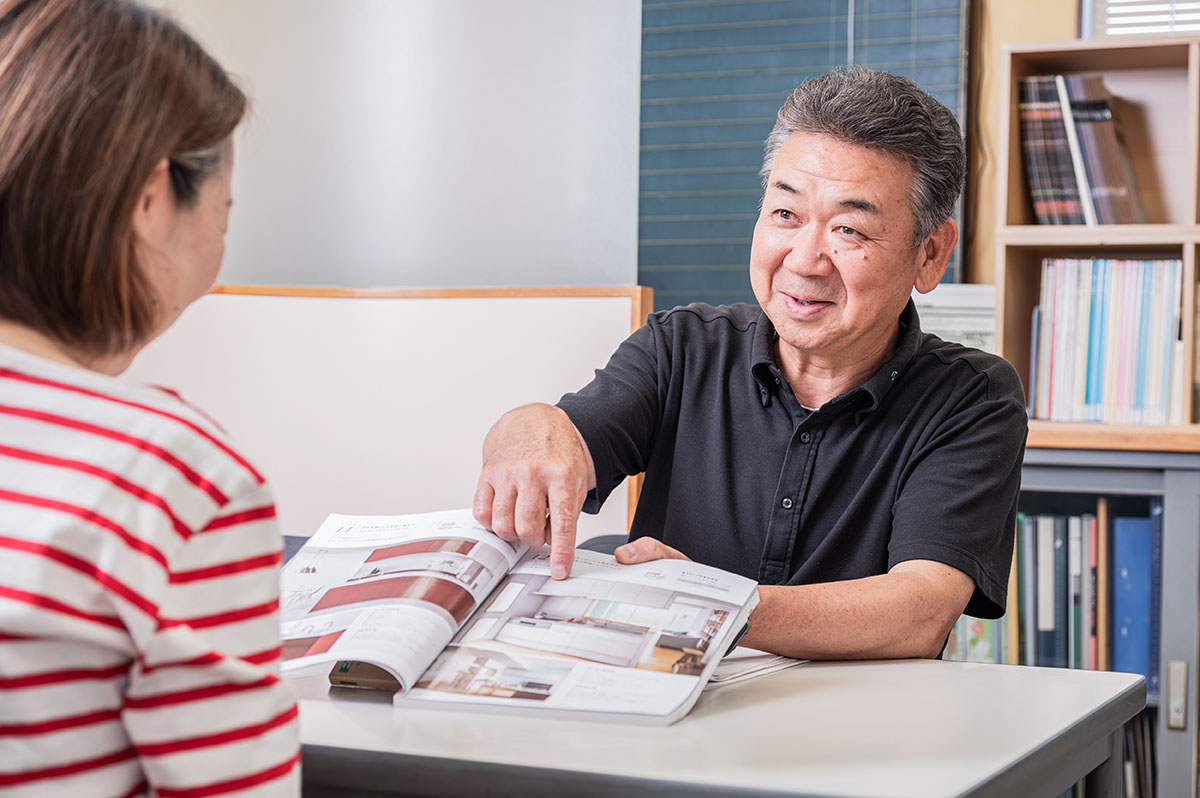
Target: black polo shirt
{"points": [[922, 461]]}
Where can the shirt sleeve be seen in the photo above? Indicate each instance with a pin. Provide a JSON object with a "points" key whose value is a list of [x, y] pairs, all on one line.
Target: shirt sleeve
{"points": [[205, 706], [957, 499], [618, 412]]}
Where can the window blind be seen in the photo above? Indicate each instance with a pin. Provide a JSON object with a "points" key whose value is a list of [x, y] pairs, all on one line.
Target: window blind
{"points": [[1132, 17], [714, 72]]}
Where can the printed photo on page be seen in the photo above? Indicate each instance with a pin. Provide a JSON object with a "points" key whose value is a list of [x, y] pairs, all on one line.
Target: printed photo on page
{"points": [[610, 638], [360, 579]]}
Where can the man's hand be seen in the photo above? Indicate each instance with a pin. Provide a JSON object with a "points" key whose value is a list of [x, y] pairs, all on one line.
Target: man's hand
{"points": [[645, 550], [536, 474]]}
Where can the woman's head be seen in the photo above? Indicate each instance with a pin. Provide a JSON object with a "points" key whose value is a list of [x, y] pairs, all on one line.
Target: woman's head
{"points": [[100, 102]]}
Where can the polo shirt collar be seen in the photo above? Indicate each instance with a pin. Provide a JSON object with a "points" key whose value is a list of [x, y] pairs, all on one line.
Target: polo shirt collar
{"points": [[764, 370]]}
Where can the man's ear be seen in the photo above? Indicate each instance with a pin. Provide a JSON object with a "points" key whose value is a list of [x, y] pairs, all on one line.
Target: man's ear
{"points": [[934, 253], [153, 210]]}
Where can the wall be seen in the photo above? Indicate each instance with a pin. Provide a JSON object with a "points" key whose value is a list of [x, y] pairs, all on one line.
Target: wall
{"points": [[431, 143], [994, 23]]}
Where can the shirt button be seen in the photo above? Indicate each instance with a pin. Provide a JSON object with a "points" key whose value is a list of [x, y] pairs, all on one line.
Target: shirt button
{"points": [[777, 381], [787, 504], [805, 437]]}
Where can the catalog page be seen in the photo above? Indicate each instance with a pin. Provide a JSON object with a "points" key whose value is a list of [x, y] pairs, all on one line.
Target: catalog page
{"points": [[628, 639], [387, 590]]}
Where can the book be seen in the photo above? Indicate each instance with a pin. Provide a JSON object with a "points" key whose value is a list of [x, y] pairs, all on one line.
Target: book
{"points": [[1105, 155], [1105, 341], [1049, 173], [1051, 594], [1075, 591], [1155, 642], [1078, 168], [964, 313], [1131, 599], [446, 614], [1032, 612]]}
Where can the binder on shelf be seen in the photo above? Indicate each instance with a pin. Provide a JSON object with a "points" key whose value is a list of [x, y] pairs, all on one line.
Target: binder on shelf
{"points": [[1051, 591], [1029, 592], [1131, 563]]}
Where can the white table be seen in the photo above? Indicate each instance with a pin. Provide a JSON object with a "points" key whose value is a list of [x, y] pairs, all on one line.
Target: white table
{"points": [[912, 728]]}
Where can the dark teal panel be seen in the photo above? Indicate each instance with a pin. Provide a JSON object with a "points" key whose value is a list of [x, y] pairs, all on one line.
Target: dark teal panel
{"points": [[726, 179], [713, 76], [775, 32], [697, 227], [691, 108], [883, 7], [747, 70], [885, 54], [673, 14], [651, 205], [695, 131], [695, 252], [735, 154]]}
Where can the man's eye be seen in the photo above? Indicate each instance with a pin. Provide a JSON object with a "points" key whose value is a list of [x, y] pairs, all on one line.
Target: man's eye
{"points": [[786, 215], [848, 231]]}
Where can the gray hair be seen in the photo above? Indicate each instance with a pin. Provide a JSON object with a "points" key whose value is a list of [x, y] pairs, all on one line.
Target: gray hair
{"points": [[188, 170], [884, 112]]}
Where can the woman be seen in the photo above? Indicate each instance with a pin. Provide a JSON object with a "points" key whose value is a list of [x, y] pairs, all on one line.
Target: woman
{"points": [[139, 553]]}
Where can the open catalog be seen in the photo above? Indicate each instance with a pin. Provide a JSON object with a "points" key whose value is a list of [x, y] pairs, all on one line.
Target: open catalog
{"points": [[460, 618]]}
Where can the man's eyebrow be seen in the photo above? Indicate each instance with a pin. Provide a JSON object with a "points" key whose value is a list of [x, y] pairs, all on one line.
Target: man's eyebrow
{"points": [[852, 204], [861, 205]]}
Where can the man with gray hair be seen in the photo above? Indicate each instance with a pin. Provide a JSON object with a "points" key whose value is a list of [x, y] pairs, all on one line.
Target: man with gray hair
{"points": [[863, 472]]}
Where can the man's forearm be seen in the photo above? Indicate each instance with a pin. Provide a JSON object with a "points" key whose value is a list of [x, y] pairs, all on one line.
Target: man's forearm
{"points": [[898, 615]]}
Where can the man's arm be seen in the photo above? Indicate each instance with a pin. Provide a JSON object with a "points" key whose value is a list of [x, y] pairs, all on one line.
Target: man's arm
{"points": [[536, 473], [907, 612]]}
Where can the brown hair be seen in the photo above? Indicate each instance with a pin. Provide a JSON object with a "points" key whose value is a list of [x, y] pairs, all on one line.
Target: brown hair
{"points": [[93, 95]]}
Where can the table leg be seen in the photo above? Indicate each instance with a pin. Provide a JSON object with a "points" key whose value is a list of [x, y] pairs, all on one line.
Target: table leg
{"points": [[1108, 779]]}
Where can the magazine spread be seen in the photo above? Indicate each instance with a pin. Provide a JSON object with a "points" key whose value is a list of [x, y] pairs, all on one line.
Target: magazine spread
{"points": [[461, 618]]}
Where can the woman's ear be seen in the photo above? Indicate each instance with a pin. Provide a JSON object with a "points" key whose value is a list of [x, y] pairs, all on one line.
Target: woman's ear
{"points": [[152, 214]]}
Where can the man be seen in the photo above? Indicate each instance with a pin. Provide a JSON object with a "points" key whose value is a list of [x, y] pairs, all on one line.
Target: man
{"points": [[864, 473]]}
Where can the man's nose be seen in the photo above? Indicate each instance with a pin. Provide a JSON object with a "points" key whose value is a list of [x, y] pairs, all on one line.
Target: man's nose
{"points": [[809, 252]]}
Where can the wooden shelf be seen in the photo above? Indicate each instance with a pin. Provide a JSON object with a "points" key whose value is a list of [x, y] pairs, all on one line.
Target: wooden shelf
{"points": [[1102, 235], [1063, 435], [1156, 85]]}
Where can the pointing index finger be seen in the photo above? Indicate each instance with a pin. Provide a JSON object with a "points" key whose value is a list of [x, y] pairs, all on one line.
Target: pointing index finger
{"points": [[564, 521]]}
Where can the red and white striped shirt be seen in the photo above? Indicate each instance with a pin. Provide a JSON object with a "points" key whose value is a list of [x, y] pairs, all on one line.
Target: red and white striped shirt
{"points": [[139, 594]]}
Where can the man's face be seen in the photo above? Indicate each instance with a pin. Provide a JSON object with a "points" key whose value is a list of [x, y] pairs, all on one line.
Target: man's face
{"points": [[832, 263]]}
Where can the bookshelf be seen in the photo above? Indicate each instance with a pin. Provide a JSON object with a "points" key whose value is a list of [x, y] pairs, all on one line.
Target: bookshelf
{"points": [[1156, 86]]}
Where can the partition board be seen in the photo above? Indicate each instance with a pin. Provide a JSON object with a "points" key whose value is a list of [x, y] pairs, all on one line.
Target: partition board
{"points": [[377, 402]]}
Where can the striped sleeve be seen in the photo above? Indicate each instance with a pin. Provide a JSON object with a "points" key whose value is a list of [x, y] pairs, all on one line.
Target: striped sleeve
{"points": [[205, 708]]}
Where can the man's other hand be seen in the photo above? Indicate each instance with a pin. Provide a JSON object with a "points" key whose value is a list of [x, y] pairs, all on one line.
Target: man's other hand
{"points": [[645, 550], [536, 474]]}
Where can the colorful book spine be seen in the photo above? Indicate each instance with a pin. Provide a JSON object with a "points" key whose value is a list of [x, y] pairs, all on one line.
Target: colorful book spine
{"points": [[1131, 598]]}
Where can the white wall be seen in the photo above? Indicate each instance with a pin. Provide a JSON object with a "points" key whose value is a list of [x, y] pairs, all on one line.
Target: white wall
{"points": [[431, 143]]}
